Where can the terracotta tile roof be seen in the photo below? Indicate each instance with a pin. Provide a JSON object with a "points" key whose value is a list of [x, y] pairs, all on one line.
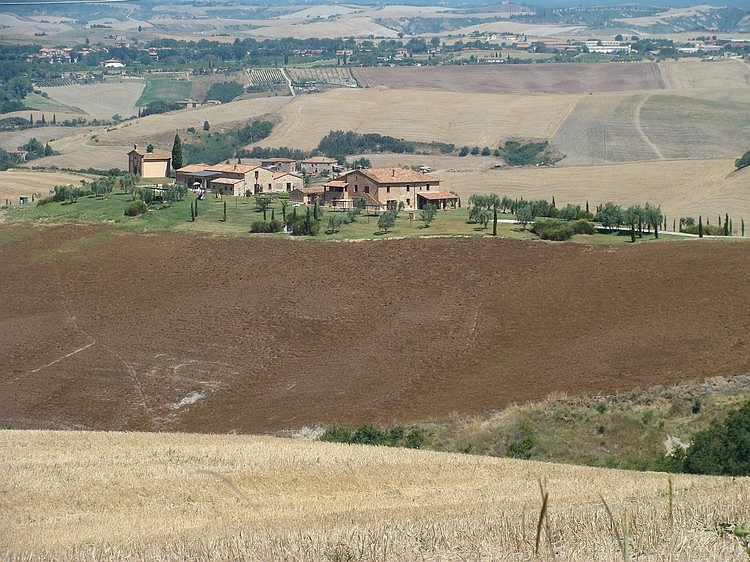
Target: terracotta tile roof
{"points": [[278, 175], [286, 160], [228, 181], [316, 189], [437, 195], [193, 168], [319, 160], [157, 156], [236, 168], [335, 183], [397, 175]]}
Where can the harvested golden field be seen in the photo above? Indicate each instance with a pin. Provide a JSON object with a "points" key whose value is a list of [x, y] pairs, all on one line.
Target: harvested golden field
{"points": [[105, 329], [558, 79], [681, 187], [112, 496], [102, 100], [443, 116], [15, 183]]}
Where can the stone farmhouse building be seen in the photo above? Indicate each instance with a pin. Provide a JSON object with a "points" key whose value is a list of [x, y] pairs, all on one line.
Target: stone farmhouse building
{"points": [[236, 179], [149, 164], [383, 187], [317, 165], [280, 164]]}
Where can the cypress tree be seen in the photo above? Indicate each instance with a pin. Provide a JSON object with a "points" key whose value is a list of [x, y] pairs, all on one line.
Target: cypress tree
{"points": [[196, 208], [177, 153], [192, 212], [54, 118], [742, 223], [494, 218], [700, 226], [225, 211], [727, 230]]}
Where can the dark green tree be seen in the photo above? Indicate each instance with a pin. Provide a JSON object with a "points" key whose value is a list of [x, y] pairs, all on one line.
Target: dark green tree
{"points": [[724, 448], [427, 214], [177, 153], [700, 226]]}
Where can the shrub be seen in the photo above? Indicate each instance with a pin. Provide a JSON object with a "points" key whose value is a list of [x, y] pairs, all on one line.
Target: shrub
{"points": [[724, 448], [337, 434], [260, 226], [583, 226], [136, 208], [552, 229], [369, 435]]}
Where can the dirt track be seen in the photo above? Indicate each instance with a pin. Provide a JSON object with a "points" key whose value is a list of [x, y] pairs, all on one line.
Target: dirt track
{"points": [[110, 330]]}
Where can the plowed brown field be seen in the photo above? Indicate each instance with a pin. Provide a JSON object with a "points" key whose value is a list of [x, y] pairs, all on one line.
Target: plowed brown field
{"points": [[111, 330]]}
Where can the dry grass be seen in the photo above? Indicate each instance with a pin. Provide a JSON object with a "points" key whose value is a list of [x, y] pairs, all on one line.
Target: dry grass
{"points": [[111, 496], [681, 187], [19, 182]]}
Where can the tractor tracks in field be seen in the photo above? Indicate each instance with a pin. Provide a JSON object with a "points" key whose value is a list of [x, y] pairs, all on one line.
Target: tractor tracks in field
{"points": [[639, 126]]}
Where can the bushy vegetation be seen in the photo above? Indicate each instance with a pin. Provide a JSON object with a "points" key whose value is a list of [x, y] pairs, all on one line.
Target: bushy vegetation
{"points": [[531, 153], [260, 226], [159, 106], [369, 435], [340, 143], [215, 147], [743, 161], [559, 230], [136, 208], [722, 449], [224, 92]]}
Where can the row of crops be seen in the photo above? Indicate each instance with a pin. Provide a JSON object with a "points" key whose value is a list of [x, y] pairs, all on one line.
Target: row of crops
{"points": [[324, 75], [266, 76]]}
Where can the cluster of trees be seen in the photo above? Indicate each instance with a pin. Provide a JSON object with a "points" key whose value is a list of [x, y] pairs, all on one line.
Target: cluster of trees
{"points": [[298, 225], [516, 154], [158, 106], [216, 147], [224, 92], [369, 435], [338, 144], [725, 228], [722, 450], [36, 149], [743, 161]]}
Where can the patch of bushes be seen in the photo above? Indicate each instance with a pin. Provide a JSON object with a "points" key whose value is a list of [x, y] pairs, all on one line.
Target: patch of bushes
{"points": [[273, 225], [136, 208], [722, 449], [397, 436], [528, 154], [558, 230]]}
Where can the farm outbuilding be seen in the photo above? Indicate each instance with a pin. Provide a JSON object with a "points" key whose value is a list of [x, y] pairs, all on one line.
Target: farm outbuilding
{"points": [[149, 164]]}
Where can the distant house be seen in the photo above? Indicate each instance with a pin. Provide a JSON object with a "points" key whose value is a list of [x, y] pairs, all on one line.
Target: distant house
{"points": [[284, 181], [384, 187], [280, 164], [149, 164], [317, 165], [307, 195], [254, 179], [228, 186], [112, 63]]}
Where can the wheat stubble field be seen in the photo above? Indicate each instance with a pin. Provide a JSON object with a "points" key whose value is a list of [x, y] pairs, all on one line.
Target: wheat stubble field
{"points": [[128, 496]]}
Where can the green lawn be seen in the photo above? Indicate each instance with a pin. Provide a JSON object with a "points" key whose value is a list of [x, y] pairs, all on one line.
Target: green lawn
{"points": [[241, 212], [167, 89]]}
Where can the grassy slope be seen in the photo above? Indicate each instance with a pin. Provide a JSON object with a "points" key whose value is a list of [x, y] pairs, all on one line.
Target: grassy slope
{"points": [[111, 496], [164, 89]]}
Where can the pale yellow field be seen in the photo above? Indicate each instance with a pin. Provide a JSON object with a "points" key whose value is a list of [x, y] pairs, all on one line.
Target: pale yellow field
{"points": [[112, 496], [680, 187], [18, 182], [452, 117], [101, 100]]}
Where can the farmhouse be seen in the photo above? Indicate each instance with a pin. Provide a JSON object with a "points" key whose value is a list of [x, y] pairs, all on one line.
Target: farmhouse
{"points": [[307, 195], [237, 179], [317, 165], [149, 164], [384, 187], [280, 164], [286, 181]]}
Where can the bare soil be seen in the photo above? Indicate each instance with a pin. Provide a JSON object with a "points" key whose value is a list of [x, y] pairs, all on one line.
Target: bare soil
{"points": [[103, 329]]}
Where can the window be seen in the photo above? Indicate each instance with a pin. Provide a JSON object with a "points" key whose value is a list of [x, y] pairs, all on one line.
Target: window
{"points": [[407, 189], [388, 189], [367, 189], [356, 189], [288, 186], [428, 187], [408, 202]]}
